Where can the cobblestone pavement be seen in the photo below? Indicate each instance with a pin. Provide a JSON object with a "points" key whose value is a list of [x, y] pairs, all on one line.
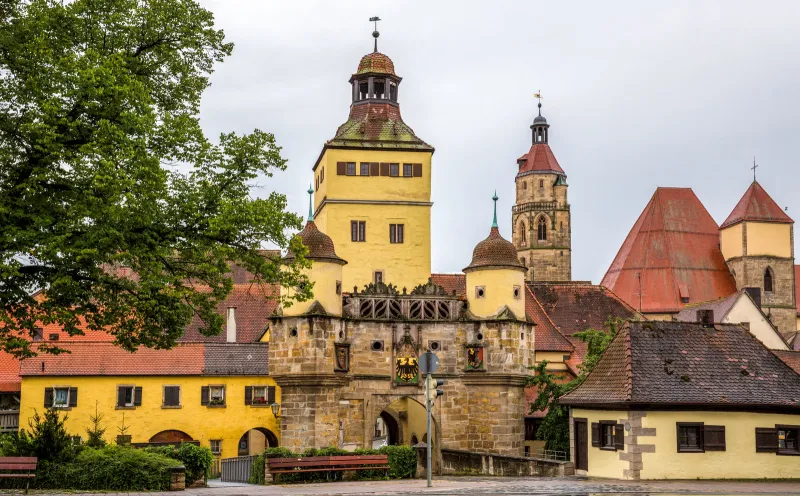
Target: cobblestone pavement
{"points": [[495, 486]]}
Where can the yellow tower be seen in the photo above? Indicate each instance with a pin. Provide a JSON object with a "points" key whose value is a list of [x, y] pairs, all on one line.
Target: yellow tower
{"points": [[373, 183], [495, 277], [325, 272]]}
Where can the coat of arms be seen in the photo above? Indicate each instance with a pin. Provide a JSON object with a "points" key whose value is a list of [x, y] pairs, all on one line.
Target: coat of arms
{"points": [[342, 357], [406, 366], [475, 358]]}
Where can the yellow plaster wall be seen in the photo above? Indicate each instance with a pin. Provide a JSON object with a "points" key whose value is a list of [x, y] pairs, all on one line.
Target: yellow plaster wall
{"points": [[730, 241], [201, 422], [324, 275], [769, 239], [555, 359], [602, 463], [659, 316], [744, 310], [738, 461], [499, 284]]}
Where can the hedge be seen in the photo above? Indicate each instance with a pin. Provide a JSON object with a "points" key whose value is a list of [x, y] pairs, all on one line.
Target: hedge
{"points": [[402, 464], [197, 460], [109, 468]]}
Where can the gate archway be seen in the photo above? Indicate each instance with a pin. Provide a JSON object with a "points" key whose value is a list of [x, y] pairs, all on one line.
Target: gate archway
{"points": [[171, 436], [256, 440]]}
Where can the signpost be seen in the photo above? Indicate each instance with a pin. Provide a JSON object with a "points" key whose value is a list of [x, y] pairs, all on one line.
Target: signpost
{"points": [[428, 364]]}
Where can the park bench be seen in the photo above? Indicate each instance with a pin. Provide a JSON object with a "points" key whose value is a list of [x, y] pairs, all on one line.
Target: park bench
{"points": [[279, 466], [18, 467]]}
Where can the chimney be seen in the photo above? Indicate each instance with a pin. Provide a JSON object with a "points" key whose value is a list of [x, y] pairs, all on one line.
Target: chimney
{"points": [[755, 294], [231, 324]]}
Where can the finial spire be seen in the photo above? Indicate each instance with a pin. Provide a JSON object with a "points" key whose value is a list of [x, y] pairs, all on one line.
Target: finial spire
{"points": [[310, 210], [375, 33], [538, 95], [754, 167], [495, 198]]}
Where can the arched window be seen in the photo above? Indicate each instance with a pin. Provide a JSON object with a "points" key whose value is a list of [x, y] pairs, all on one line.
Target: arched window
{"points": [[541, 229], [768, 280], [522, 235]]}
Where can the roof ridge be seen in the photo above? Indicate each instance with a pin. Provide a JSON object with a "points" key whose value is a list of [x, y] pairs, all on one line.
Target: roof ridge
{"points": [[628, 364]]}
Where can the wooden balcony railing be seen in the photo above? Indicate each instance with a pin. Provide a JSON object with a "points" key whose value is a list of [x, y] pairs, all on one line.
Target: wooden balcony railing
{"points": [[9, 420]]}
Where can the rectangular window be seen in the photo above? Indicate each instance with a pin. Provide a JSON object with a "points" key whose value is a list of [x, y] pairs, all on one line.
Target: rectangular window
{"points": [[172, 396], [365, 168], [216, 395], [38, 334], [394, 170], [351, 168], [690, 437], [607, 430], [608, 435], [396, 233], [788, 437], [125, 396], [358, 231], [61, 398], [377, 276], [322, 175], [407, 170], [259, 395], [216, 447]]}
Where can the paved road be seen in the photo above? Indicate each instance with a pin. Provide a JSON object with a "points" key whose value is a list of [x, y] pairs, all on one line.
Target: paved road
{"points": [[494, 486]]}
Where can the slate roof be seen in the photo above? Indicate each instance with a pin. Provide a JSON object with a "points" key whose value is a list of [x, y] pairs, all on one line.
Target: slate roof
{"points": [[577, 306], [721, 307], [546, 336], [106, 359], [674, 247], [539, 158], [682, 363], [320, 245], [756, 205], [451, 282], [495, 251]]}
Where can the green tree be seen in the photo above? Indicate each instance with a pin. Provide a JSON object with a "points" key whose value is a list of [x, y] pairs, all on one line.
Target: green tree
{"points": [[95, 432], [104, 165], [48, 439], [554, 429]]}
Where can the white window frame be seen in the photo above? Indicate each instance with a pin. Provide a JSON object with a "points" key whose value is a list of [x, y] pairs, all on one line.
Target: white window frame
{"points": [[55, 397], [221, 389]]}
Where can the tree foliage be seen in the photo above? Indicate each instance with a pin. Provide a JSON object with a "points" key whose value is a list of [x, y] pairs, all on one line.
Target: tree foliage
{"points": [[47, 438], [104, 165], [554, 429]]}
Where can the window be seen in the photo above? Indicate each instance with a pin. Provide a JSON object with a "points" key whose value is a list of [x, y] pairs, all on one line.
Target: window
{"points": [[365, 168], [338, 287], [517, 292], [788, 440], [608, 435], [531, 426], [394, 170], [522, 260], [607, 431], [522, 232], [212, 395], [172, 397], [396, 233], [129, 396], [541, 229], [407, 170], [351, 168], [322, 175], [524, 185], [377, 276], [61, 398], [480, 292], [690, 437], [38, 334], [768, 280], [259, 395], [216, 447], [53, 336], [358, 231], [541, 183]]}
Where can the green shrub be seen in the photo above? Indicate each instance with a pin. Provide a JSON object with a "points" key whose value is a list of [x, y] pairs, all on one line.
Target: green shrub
{"points": [[197, 460], [402, 461], [47, 440]]}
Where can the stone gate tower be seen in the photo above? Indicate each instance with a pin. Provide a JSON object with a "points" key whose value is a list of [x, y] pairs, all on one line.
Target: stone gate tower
{"points": [[541, 215]]}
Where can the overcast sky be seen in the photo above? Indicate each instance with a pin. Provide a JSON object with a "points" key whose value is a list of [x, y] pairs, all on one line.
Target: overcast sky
{"points": [[638, 95]]}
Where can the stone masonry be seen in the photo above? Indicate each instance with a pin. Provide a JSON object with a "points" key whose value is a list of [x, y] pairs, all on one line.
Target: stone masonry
{"points": [[779, 304]]}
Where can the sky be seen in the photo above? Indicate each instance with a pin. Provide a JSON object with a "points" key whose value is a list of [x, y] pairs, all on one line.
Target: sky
{"points": [[638, 95]]}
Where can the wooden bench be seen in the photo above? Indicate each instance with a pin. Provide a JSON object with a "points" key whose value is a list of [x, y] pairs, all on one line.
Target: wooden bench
{"points": [[279, 466], [18, 467]]}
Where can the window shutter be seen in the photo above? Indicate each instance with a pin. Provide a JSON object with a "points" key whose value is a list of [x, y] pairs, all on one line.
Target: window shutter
{"points": [[417, 170], [248, 395], [619, 437], [204, 393], [384, 169], [48, 397], [341, 168], [73, 396], [595, 434], [714, 437], [137, 396], [120, 396], [766, 440], [374, 169], [270, 395]]}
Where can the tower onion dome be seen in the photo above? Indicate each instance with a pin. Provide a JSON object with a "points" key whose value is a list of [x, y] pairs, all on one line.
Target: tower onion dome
{"points": [[375, 63], [495, 251], [320, 245]]}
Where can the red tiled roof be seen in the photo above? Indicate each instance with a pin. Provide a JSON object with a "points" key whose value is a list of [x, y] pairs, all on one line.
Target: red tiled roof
{"points": [[254, 304], [674, 242], [320, 245], [451, 282], [756, 205], [577, 306], [790, 358], [9, 373], [797, 288], [547, 337], [495, 251], [375, 62], [539, 158], [674, 363]]}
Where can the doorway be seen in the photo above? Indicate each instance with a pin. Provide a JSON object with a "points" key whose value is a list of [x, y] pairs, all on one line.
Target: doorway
{"points": [[581, 444]]}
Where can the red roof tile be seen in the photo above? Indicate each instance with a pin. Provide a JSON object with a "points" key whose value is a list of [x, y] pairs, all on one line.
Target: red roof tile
{"points": [[9, 373], [546, 336], [451, 282], [577, 306], [495, 251], [254, 304], [539, 158], [756, 205], [377, 63], [790, 358], [674, 242], [797, 288]]}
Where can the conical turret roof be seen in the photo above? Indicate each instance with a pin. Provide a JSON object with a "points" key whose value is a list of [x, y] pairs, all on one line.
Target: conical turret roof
{"points": [[756, 206]]}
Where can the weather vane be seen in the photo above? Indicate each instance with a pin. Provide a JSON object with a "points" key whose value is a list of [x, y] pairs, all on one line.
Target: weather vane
{"points": [[753, 168], [538, 95], [375, 33]]}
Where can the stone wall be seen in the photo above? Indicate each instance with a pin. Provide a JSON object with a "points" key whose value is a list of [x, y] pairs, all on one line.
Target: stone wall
{"points": [[778, 305], [461, 462]]}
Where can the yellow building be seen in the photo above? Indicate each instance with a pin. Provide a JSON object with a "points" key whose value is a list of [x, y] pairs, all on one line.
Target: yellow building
{"points": [[373, 185], [676, 400]]}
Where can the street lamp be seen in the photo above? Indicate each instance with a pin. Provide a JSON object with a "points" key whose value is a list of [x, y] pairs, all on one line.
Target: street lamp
{"points": [[276, 409]]}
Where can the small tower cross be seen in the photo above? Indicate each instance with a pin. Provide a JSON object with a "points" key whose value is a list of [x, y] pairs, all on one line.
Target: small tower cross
{"points": [[753, 168]]}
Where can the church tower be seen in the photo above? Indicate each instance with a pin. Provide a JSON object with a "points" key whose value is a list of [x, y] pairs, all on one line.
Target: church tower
{"points": [[541, 215], [373, 185], [757, 242]]}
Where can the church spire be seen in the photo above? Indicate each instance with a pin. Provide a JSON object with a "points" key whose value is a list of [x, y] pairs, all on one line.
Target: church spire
{"points": [[310, 209], [495, 198], [375, 33]]}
